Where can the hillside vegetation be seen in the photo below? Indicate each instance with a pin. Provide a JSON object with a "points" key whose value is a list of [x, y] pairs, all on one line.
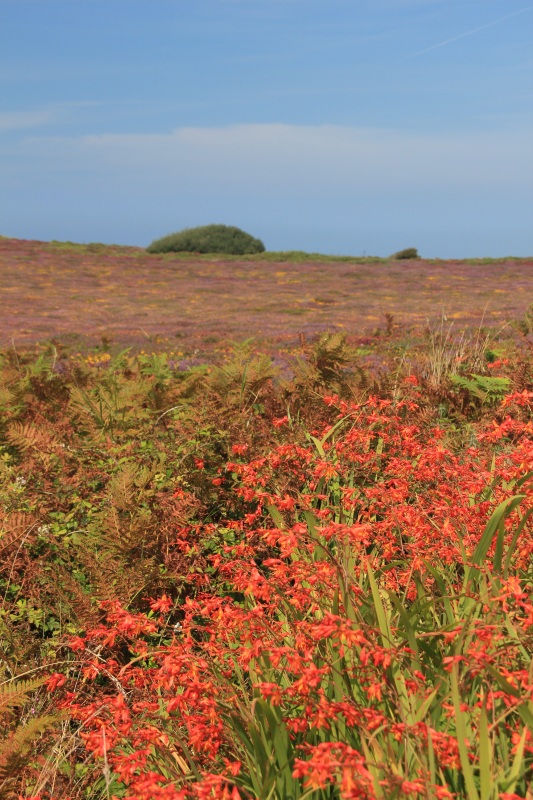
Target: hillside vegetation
{"points": [[79, 295], [221, 582]]}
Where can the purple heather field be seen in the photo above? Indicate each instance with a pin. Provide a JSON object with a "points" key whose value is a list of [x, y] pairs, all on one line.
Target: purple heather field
{"points": [[85, 292]]}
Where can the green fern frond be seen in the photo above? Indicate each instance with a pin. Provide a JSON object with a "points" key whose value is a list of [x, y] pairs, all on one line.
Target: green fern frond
{"points": [[7, 398], [116, 406]]}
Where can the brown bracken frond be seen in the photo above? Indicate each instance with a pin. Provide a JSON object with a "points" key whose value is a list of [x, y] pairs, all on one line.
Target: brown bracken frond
{"points": [[14, 751], [15, 528]]}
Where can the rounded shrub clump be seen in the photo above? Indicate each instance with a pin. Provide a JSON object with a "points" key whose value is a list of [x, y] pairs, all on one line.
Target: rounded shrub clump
{"points": [[409, 252], [208, 239]]}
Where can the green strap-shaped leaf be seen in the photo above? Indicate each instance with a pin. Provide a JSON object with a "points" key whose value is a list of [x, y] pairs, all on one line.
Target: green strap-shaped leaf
{"points": [[493, 525], [460, 724], [383, 622], [485, 757]]}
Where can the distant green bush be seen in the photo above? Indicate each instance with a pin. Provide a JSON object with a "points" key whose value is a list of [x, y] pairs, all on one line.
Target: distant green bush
{"points": [[409, 252], [208, 239]]}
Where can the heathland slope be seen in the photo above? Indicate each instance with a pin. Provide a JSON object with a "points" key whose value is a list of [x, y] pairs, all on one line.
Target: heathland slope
{"points": [[62, 290]]}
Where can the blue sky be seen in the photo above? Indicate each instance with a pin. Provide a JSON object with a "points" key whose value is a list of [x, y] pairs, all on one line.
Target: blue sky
{"points": [[338, 126]]}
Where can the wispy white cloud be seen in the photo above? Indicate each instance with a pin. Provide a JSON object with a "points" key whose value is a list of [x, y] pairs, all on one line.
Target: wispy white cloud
{"points": [[278, 158], [37, 118], [19, 120], [467, 33]]}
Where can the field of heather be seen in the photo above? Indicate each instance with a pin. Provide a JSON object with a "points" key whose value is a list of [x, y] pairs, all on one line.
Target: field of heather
{"points": [[295, 566], [80, 293]]}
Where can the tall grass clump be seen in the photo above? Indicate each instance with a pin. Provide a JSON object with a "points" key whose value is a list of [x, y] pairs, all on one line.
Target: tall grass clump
{"points": [[208, 239]]}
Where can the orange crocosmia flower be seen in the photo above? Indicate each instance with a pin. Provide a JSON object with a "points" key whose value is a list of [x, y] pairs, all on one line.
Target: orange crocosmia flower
{"points": [[509, 796], [91, 671], [324, 469], [500, 362], [285, 504], [374, 691], [441, 793], [272, 692], [518, 398], [164, 604], [239, 449], [76, 643], [55, 680], [234, 767], [99, 741], [413, 787], [174, 703]]}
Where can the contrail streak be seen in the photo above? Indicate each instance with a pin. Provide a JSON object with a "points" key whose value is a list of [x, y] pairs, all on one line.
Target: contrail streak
{"points": [[468, 33]]}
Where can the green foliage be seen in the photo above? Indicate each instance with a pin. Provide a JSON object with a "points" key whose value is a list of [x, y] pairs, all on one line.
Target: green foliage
{"points": [[208, 239], [408, 253], [126, 478], [484, 388], [242, 379], [330, 365]]}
